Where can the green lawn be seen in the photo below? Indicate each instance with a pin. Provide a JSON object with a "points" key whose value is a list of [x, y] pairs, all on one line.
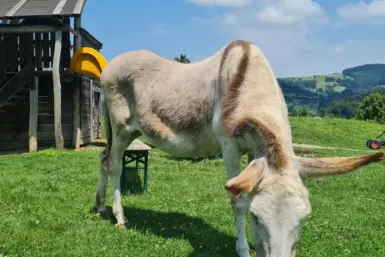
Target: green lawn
{"points": [[334, 132], [47, 201]]}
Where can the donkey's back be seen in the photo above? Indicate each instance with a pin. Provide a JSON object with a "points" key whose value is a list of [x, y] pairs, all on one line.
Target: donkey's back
{"points": [[171, 104]]}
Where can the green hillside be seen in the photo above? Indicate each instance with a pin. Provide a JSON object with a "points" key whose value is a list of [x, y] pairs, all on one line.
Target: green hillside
{"points": [[372, 74], [318, 92], [327, 80]]}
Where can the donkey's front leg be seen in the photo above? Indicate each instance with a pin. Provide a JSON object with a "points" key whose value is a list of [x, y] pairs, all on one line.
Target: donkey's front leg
{"points": [[232, 162]]}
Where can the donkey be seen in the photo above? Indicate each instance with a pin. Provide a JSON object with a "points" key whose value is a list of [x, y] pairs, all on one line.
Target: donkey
{"points": [[229, 103]]}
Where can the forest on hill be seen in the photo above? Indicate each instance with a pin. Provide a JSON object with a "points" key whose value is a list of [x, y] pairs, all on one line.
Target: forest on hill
{"points": [[336, 95]]}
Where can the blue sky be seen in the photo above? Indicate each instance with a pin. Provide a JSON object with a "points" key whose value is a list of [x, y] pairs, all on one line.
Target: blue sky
{"points": [[298, 37]]}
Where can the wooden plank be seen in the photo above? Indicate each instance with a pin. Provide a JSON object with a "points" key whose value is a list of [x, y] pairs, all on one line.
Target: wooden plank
{"points": [[51, 143], [44, 136], [46, 48], [23, 44], [91, 109], [50, 127], [38, 51], [14, 84], [15, 8], [30, 52], [59, 7], [11, 137], [87, 133], [57, 91], [22, 28], [14, 145], [47, 118], [66, 51], [33, 112], [66, 47], [76, 112], [13, 53], [79, 7], [100, 116], [3, 59], [85, 140], [77, 26], [52, 45], [89, 40]]}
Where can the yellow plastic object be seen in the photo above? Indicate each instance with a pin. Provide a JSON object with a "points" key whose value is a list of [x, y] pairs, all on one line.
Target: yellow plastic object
{"points": [[88, 61]]}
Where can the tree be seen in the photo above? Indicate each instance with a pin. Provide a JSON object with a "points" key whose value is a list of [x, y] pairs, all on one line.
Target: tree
{"points": [[299, 111], [182, 58], [329, 79], [372, 108]]}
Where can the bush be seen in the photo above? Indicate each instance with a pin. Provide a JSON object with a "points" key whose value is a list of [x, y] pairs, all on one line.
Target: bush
{"points": [[372, 108]]}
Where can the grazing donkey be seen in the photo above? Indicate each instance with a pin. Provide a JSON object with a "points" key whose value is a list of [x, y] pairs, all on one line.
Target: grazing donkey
{"points": [[229, 103]]}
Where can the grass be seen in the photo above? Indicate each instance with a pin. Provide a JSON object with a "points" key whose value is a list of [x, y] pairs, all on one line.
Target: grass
{"points": [[334, 132], [47, 201]]}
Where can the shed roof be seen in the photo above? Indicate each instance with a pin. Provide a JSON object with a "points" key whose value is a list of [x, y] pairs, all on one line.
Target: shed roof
{"points": [[28, 8]]}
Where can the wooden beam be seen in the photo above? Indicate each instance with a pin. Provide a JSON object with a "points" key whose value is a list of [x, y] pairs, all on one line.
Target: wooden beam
{"points": [[33, 112], [14, 84], [76, 114], [20, 28], [15, 8], [100, 116], [78, 38], [92, 109], [57, 91]]}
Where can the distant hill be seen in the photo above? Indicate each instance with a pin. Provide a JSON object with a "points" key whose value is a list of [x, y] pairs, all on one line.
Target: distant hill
{"points": [[372, 74], [319, 91]]}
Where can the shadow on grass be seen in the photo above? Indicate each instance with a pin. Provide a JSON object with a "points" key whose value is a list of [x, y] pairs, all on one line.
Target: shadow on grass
{"points": [[194, 159], [204, 239], [98, 144]]}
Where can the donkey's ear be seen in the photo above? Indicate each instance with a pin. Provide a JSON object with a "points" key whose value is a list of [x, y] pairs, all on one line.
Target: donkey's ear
{"points": [[319, 167], [245, 181]]}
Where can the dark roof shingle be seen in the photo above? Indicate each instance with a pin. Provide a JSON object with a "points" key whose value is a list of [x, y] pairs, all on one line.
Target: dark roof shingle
{"points": [[28, 8]]}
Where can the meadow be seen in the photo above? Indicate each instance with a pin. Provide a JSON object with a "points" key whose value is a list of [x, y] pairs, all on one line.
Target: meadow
{"points": [[321, 83], [47, 203]]}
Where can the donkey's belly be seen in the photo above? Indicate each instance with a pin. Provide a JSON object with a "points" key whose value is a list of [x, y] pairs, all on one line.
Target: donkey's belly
{"points": [[200, 144]]}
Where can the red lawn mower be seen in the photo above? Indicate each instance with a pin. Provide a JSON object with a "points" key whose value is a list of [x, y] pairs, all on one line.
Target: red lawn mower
{"points": [[375, 143]]}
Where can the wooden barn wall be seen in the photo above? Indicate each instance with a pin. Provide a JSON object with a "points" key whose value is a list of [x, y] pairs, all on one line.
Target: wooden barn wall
{"points": [[85, 110], [14, 51], [45, 126], [97, 110], [90, 121], [14, 126]]}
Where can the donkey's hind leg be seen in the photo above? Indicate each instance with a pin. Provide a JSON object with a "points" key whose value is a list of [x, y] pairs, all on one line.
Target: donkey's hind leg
{"points": [[113, 164], [102, 188]]}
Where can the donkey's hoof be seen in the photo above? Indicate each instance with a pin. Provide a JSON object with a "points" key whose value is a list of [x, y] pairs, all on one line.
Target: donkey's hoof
{"points": [[102, 214], [121, 225]]}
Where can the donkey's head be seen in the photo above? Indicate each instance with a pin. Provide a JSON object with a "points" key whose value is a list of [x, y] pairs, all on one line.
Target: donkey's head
{"points": [[278, 200]]}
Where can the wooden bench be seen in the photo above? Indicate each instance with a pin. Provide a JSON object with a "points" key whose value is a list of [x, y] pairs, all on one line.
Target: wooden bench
{"points": [[136, 152]]}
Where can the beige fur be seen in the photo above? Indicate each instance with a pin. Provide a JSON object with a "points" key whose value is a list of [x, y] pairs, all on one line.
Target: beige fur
{"points": [[229, 103]]}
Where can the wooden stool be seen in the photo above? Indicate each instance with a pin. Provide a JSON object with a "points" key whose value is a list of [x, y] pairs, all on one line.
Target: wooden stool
{"points": [[136, 152]]}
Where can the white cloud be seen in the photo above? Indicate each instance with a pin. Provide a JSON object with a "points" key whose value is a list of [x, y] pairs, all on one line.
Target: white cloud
{"points": [[290, 12], [361, 10], [299, 48], [225, 3]]}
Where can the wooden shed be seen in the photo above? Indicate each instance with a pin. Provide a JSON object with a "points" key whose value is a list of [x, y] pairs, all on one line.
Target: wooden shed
{"points": [[42, 104]]}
